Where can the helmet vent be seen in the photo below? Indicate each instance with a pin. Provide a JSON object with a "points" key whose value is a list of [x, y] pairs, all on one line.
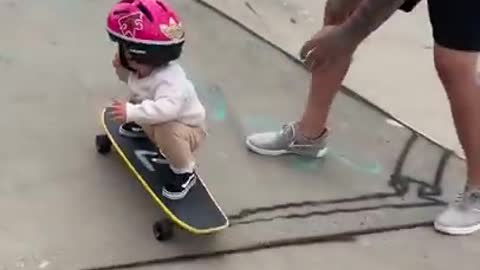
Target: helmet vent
{"points": [[127, 1], [120, 12], [160, 3], [145, 11]]}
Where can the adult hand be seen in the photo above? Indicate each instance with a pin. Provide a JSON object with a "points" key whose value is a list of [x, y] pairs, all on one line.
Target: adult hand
{"points": [[330, 42], [347, 23], [327, 46]]}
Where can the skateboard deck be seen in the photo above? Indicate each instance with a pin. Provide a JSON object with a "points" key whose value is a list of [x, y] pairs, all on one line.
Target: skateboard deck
{"points": [[197, 213]]}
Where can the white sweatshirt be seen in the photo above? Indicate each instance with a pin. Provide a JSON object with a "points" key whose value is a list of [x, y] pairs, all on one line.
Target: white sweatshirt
{"points": [[165, 95]]}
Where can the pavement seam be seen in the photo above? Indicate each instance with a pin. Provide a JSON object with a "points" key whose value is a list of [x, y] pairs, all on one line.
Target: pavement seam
{"points": [[335, 211]]}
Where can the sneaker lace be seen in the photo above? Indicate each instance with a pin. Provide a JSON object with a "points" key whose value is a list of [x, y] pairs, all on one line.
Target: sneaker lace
{"points": [[288, 131], [467, 198], [460, 197]]}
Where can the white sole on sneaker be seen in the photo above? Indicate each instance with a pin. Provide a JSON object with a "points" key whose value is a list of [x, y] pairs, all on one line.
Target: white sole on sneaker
{"points": [[456, 230], [180, 195], [274, 153], [131, 135]]}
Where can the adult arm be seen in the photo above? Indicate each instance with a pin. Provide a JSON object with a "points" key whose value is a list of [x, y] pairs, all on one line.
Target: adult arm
{"points": [[369, 15]]}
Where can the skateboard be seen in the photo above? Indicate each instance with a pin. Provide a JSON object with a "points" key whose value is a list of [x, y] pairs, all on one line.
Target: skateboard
{"points": [[197, 213]]}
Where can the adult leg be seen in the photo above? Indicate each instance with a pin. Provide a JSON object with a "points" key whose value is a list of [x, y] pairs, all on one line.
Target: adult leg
{"points": [[457, 71], [325, 85], [308, 136], [456, 55]]}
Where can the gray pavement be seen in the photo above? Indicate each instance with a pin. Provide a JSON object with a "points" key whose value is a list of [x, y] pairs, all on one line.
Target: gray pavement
{"points": [[65, 207], [393, 251]]}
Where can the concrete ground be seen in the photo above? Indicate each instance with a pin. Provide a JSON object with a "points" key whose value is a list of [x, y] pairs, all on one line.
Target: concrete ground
{"points": [[65, 207], [412, 249]]}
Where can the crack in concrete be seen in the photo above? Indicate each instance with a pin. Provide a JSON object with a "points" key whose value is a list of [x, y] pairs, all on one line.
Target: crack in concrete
{"points": [[249, 6], [338, 211]]}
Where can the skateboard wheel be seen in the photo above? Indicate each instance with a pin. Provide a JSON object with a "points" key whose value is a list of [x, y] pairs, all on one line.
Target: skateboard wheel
{"points": [[103, 144], [163, 230]]}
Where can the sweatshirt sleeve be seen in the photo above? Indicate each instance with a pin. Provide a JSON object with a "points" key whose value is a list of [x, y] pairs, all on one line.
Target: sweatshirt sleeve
{"points": [[165, 107]]}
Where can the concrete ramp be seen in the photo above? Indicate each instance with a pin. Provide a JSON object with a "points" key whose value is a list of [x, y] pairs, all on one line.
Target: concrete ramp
{"points": [[65, 207]]}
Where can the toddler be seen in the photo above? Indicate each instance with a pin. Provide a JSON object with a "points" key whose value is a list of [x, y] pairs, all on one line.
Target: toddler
{"points": [[163, 104]]}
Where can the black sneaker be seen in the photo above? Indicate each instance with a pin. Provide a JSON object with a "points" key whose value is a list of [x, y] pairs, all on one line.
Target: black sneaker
{"points": [[180, 186], [132, 130]]}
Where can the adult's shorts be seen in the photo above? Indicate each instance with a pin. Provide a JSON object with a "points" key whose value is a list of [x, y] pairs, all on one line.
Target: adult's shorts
{"points": [[455, 23]]}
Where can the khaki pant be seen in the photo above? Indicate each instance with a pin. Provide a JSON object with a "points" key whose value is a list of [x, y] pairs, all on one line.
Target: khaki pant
{"points": [[176, 141]]}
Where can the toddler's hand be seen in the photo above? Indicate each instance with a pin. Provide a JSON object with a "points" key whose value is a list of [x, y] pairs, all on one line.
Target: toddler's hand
{"points": [[122, 73], [116, 61], [119, 111]]}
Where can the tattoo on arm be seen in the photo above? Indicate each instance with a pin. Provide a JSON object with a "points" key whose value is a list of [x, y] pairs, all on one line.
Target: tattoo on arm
{"points": [[369, 15]]}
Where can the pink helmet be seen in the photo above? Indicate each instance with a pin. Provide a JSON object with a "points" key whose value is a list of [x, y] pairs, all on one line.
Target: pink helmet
{"points": [[147, 28], [149, 22]]}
